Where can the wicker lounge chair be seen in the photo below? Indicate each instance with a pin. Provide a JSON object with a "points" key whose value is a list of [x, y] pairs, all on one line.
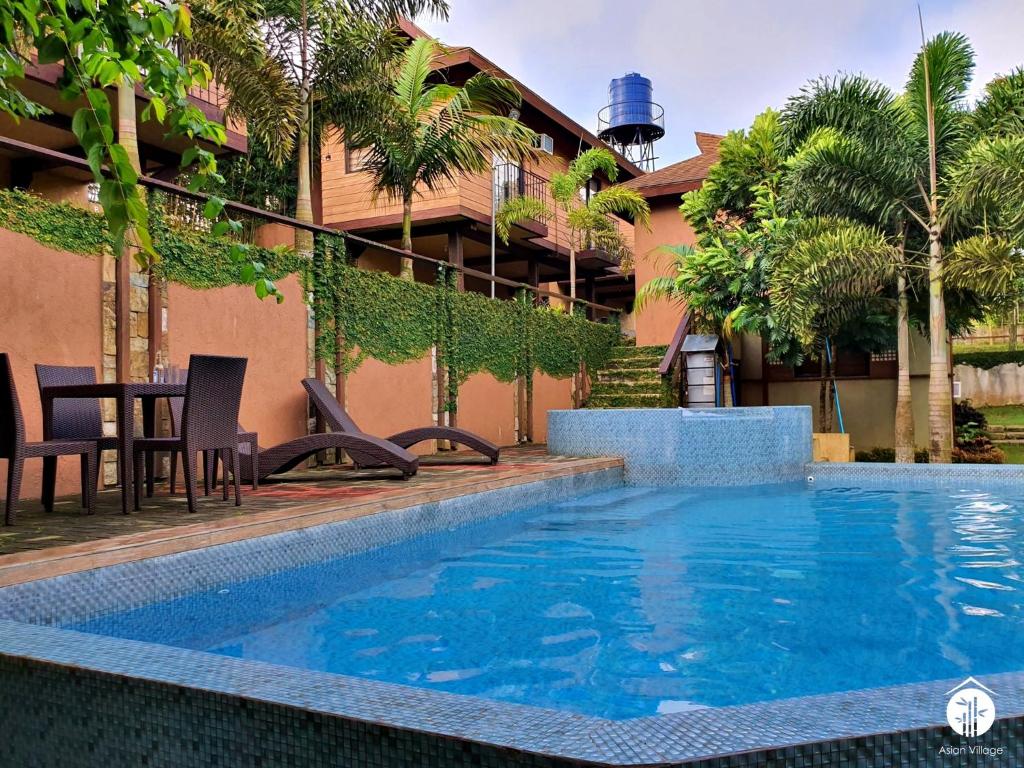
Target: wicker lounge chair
{"points": [[341, 422], [73, 419], [286, 456], [209, 422], [258, 464], [15, 448]]}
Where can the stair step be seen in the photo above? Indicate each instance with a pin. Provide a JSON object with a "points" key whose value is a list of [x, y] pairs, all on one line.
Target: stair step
{"points": [[633, 362], [626, 352], [1014, 441], [628, 374], [625, 401], [627, 388]]}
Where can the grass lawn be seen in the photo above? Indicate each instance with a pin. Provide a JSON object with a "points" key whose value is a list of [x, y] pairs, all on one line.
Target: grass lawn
{"points": [[1014, 453], [1009, 415]]}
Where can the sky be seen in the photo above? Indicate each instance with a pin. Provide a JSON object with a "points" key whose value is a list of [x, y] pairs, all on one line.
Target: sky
{"points": [[715, 65]]}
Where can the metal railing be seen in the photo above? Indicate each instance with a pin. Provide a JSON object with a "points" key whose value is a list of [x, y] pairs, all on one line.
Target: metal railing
{"points": [[512, 180], [71, 161]]}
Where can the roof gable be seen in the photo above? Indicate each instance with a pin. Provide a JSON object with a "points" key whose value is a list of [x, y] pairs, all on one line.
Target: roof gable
{"points": [[683, 176]]}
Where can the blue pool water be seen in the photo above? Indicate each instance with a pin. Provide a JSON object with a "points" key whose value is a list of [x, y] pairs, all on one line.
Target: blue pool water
{"points": [[641, 601]]}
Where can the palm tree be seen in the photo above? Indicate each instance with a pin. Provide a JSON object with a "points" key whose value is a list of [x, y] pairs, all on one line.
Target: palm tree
{"points": [[856, 123], [894, 158], [284, 61], [589, 216], [432, 133]]}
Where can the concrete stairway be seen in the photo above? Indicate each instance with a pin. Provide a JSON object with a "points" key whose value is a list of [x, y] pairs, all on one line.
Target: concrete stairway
{"points": [[1008, 434], [630, 379]]}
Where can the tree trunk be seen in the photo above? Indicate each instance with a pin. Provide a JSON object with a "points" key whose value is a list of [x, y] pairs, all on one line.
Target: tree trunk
{"points": [[304, 190], [940, 396], [572, 277], [824, 420], [1014, 314], [127, 130], [127, 137], [407, 273], [904, 410]]}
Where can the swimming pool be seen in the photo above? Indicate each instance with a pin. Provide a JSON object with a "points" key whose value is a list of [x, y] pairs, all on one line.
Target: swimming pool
{"points": [[641, 601], [778, 613]]}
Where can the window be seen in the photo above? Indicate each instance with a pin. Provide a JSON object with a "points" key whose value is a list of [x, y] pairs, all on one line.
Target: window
{"points": [[592, 188], [847, 364], [355, 159]]}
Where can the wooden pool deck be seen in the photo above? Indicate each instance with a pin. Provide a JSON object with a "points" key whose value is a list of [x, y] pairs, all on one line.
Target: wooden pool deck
{"points": [[67, 540]]}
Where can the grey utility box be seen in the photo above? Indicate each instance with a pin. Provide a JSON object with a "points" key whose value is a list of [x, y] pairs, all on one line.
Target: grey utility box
{"points": [[703, 370]]}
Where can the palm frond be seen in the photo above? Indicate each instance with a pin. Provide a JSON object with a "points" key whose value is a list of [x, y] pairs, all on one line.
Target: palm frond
{"points": [[622, 201], [516, 209], [988, 183], [1000, 111], [992, 267], [417, 64], [950, 66], [657, 288], [821, 281]]}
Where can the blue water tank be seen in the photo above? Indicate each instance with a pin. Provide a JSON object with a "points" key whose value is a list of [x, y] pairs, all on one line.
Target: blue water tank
{"points": [[631, 99], [632, 114]]}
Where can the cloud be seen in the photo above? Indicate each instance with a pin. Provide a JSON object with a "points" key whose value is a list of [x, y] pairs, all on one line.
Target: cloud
{"points": [[716, 65]]}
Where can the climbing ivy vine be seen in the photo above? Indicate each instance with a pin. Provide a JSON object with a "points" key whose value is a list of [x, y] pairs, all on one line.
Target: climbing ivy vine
{"points": [[201, 260], [360, 313], [58, 225]]}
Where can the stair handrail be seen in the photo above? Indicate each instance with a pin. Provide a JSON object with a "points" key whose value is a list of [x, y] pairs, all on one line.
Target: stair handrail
{"points": [[674, 350]]}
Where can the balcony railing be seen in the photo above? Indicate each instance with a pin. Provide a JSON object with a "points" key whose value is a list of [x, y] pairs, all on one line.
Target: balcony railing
{"points": [[512, 180], [213, 94]]}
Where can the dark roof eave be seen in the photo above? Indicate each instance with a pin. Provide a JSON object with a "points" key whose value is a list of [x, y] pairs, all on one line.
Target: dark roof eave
{"points": [[469, 56], [668, 188]]}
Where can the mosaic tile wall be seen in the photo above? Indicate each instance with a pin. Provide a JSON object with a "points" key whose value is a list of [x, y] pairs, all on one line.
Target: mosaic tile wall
{"points": [[897, 476], [688, 447], [57, 717]]}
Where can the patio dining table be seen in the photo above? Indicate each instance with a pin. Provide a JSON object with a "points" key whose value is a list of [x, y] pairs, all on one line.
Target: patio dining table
{"points": [[125, 394]]}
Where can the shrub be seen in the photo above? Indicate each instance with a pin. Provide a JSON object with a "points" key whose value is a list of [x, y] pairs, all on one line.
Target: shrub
{"points": [[887, 456], [988, 358], [964, 413]]}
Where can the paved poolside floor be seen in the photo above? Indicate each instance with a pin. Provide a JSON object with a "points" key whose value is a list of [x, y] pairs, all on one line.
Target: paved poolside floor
{"points": [[44, 544]]}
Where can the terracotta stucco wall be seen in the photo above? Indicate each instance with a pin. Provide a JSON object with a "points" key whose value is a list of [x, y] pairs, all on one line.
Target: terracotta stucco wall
{"points": [[51, 313], [548, 394], [656, 323], [384, 399], [232, 321], [488, 407]]}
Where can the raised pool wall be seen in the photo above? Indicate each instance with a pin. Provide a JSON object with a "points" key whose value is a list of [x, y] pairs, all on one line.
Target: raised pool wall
{"points": [[680, 446]]}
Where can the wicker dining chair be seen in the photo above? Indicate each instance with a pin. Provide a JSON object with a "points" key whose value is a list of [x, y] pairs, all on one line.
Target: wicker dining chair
{"points": [[73, 419], [15, 448], [209, 422], [248, 444]]}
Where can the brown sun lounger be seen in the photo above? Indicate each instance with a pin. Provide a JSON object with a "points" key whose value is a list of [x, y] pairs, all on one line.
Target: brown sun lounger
{"points": [[340, 422], [286, 456]]}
